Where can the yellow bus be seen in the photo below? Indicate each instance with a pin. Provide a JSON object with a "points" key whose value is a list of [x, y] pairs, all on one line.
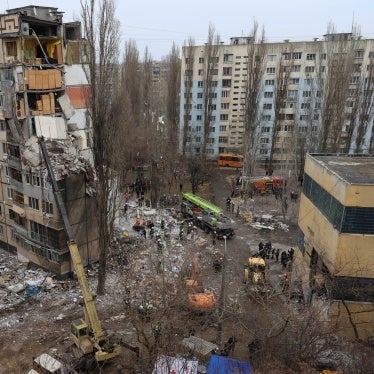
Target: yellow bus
{"points": [[232, 160]]}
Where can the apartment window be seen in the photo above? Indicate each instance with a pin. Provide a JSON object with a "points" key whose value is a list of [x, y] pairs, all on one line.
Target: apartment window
{"points": [[359, 53], [33, 203], [309, 69], [310, 56], [227, 70], [263, 151], [198, 128], [288, 127], [268, 106], [199, 117], [212, 129], [264, 140], [294, 81], [286, 56], [352, 92], [266, 117], [200, 72], [187, 106], [209, 151], [212, 107], [223, 128], [213, 83], [200, 84], [292, 93], [224, 117], [187, 117], [272, 57], [225, 105], [188, 84], [198, 139], [296, 55], [18, 198], [225, 94], [323, 56], [295, 68], [189, 60], [305, 105], [265, 129], [307, 93], [371, 54], [210, 140], [270, 70], [316, 117], [355, 80], [268, 94], [357, 68], [226, 82], [214, 59], [43, 234], [213, 95], [15, 174], [304, 117], [349, 104], [11, 48], [9, 193], [188, 72], [200, 95], [188, 95], [227, 57], [2, 125], [269, 82], [212, 118], [317, 106], [199, 106], [201, 60], [223, 139]]}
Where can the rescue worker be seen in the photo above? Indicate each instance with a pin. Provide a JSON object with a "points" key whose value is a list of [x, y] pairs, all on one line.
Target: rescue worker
{"points": [[228, 204]]}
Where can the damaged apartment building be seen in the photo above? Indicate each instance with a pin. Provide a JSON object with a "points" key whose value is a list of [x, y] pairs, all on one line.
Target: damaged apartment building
{"points": [[44, 95]]}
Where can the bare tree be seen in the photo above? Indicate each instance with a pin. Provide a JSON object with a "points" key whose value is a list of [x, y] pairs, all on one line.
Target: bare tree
{"points": [[172, 104], [363, 110], [210, 70], [188, 55], [102, 33], [334, 84], [255, 70], [279, 101]]}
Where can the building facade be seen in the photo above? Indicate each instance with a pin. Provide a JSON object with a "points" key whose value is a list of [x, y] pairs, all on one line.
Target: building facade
{"points": [[336, 222], [44, 93], [313, 96]]}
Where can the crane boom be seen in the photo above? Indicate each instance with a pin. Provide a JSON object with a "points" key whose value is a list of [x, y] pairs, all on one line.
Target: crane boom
{"points": [[99, 343]]}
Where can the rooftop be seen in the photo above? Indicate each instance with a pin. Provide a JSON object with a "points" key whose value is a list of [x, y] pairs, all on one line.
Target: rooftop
{"points": [[354, 169]]}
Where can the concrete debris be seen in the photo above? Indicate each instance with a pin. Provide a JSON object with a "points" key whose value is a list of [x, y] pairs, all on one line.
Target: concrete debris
{"points": [[63, 156]]}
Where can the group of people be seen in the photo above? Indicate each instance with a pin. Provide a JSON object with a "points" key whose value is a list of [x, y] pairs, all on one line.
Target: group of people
{"points": [[267, 251]]}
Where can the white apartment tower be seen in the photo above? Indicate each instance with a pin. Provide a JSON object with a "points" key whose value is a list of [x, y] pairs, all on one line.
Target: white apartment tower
{"points": [[313, 96]]}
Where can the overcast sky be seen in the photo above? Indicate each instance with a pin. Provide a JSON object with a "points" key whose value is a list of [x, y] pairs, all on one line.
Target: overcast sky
{"points": [[157, 23]]}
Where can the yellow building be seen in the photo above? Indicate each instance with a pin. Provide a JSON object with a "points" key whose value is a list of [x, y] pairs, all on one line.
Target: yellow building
{"points": [[336, 221]]}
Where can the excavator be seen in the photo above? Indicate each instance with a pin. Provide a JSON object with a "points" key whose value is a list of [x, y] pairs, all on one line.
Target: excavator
{"points": [[87, 334]]}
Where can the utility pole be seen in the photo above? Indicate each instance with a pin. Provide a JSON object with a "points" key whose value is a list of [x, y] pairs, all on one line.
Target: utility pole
{"points": [[221, 305]]}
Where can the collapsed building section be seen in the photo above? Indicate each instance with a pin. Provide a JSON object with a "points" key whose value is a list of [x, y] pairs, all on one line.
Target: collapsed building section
{"points": [[44, 93]]}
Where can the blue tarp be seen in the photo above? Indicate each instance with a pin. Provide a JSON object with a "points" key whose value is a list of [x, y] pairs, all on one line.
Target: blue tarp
{"points": [[225, 365]]}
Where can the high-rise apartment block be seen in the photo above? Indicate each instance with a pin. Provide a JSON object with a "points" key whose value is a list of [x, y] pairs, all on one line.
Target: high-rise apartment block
{"points": [[316, 94], [44, 93]]}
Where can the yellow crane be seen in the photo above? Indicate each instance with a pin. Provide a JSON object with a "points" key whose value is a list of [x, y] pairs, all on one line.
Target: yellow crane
{"points": [[87, 333]]}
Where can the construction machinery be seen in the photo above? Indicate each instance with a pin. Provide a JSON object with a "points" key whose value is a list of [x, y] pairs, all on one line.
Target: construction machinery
{"points": [[87, 334], [206, 215], [198, 298], [255, 271]]}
